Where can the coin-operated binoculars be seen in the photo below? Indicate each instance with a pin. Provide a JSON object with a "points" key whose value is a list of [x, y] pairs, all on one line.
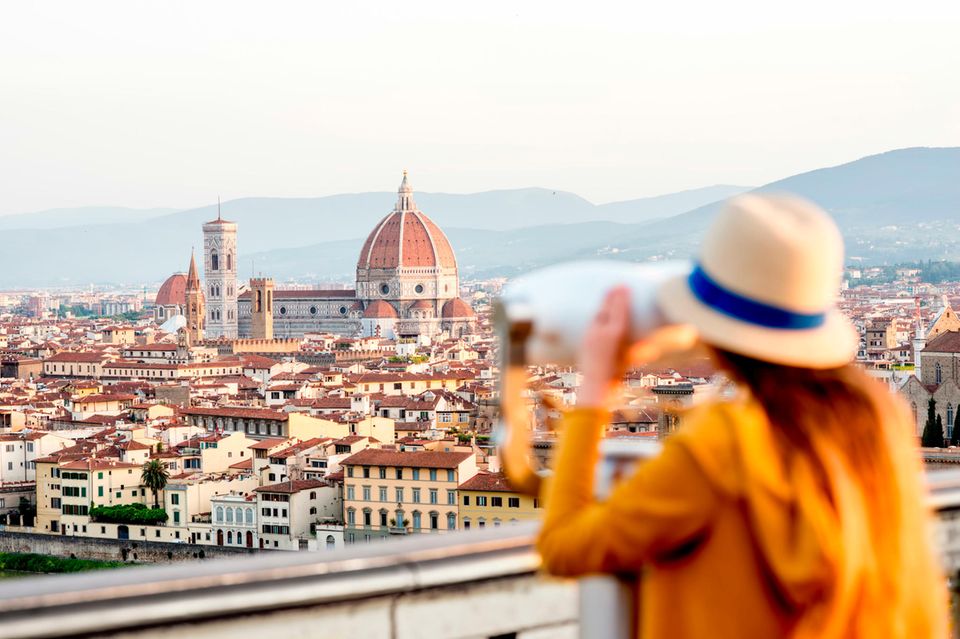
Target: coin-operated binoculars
{"points": [[541, 318]]}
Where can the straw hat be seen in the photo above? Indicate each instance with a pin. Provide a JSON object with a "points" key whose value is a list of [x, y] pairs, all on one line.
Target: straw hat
{"points": [[765, 284]]}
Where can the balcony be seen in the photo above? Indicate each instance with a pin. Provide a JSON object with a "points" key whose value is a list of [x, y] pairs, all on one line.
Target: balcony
{"points": [[475, 584]]}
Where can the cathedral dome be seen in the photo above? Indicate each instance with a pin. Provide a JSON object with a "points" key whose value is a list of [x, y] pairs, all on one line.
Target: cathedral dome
{"points": [[379, 309], [173, 292], [406, 238], [457, 308]]}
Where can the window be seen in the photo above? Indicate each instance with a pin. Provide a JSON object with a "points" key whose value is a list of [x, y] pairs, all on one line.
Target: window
{"points": [[349, 471], [416, 474], [466, 524], [366, 493], [220, 513], [496, 502], [450, 476], [399, 473], [351, 516], [434, 521], [399, 492], [433, 474], [466, 500], [949, 420], [451, 498], [383, 493], [383, 518], [229, 515], [451, 521], [481, 522], [416, 495], [263, 511], [175, 499], [513, 502], [383, 473], [176, 516], [350, 493], [249, 513], [367, 518], [433, 496], [366, 472], [481, 500], [938, 373], [416, 520]]}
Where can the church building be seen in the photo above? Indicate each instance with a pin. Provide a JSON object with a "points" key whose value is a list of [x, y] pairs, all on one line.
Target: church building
{"points": [[407, 285]]}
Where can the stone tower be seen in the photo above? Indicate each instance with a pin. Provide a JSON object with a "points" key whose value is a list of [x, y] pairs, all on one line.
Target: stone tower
{"points": [[261, 308], [194, 306], [220, 276]]}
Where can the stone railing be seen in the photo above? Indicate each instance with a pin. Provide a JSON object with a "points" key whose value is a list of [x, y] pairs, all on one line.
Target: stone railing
{"points": [[475, 584]]}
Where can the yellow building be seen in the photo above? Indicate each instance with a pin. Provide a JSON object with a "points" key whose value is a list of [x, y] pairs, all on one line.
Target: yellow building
{"points": [[395, 493], [486, 499]]}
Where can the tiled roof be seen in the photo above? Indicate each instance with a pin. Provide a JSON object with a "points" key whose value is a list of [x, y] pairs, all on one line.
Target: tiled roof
{"points": [[490, 482], [290, 487], [414, 459]]}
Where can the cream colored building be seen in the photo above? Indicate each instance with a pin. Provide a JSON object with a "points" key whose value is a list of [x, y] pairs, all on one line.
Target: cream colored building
{"points": [[486, 499], [388, 492]]}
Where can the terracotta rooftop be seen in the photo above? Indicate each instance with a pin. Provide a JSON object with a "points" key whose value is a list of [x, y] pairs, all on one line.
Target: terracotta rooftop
{"points": [[414, 459], [490, 482]]}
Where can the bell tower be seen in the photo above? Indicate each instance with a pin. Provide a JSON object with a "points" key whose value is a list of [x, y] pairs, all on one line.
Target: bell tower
{"points": [[261, 308], [194, 311], [220, 276]]}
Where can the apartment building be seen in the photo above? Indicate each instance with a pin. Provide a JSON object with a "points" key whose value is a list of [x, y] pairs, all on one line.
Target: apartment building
{"points": [[388, 492], [486, 499]]}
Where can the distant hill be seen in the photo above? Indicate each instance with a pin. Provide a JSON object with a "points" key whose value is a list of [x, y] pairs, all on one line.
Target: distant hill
{"points": [[895, 206], [145, 250], [57, 218]]}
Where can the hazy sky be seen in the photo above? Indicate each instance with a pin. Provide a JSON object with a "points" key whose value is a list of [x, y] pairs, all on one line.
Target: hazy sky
{"points": [[170, 103]]}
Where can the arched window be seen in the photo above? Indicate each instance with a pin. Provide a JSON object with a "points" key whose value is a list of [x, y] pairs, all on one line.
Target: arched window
{"points": [[313, 510], [496, 523], [938, 374], [367, 517], [313, 495], [351, 517], [258, 307], [249, 516], [481, 523], [229, 261], [219, 513], [466, 523], [229, 536], [331, 542], [229, 515], [949, 421], [434, 521], [416, 520], [214, 261], [451, 521]]}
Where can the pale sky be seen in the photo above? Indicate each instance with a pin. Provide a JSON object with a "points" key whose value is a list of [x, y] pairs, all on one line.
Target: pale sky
{"points": [[167, 104]]}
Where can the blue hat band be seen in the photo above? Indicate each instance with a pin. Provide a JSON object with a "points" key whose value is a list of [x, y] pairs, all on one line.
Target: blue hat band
{"points": [[747, 310]]}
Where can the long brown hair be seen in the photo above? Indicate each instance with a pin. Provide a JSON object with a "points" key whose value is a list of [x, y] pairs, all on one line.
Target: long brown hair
{"points": [[841, 418]]}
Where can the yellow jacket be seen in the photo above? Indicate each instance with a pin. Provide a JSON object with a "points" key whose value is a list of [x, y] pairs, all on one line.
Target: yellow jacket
{"points": [[731, 541]]}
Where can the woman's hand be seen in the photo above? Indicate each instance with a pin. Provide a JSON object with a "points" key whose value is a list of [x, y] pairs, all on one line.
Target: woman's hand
{"points": [[602, 358]]}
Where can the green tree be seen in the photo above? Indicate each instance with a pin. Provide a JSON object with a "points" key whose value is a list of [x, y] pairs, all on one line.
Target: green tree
{"points": [[27, 512], [154, 477], [933, 429]]}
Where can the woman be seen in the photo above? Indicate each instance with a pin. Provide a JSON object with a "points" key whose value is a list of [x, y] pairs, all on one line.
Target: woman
{"points": [[794, 508]]}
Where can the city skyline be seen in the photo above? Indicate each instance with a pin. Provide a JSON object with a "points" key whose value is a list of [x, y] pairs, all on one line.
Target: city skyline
{"points": [[115, 106]]}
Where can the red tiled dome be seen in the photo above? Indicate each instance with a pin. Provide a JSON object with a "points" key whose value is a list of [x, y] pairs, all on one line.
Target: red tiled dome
{"points": [[173, 291], [421, 305], [406, 237], [379, 309], [456, 308]]}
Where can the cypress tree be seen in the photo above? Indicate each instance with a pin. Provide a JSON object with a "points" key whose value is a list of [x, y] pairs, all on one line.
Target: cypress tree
{"points": [[955, 439], [929, 438], [938, 434]]}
